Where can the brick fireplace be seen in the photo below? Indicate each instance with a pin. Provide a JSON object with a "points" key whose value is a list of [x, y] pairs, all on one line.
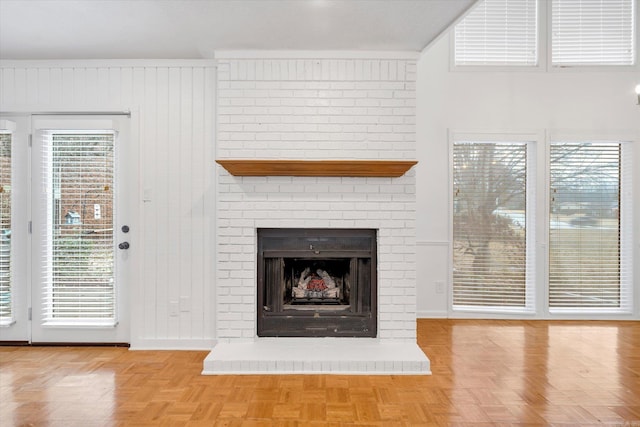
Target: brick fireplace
{"points": [[316, 109]]}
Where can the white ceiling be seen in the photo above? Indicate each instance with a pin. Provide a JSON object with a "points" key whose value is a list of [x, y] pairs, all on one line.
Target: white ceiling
{"points": [[159, 29]]}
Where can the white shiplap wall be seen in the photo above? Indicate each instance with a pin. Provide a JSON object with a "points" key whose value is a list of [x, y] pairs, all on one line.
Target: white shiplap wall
{"points": [[172, 122]]}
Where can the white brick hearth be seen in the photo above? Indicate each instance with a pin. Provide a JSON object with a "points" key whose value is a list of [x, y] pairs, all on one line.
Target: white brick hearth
{"points": [[316, 109], [352, 356]]}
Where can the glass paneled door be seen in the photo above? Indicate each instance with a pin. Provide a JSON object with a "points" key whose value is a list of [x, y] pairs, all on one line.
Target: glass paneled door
{"points": [[80, 236], [14, 292]]}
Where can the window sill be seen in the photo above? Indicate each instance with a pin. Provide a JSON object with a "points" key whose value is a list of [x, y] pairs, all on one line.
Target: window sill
{"points": [[80, 324]]}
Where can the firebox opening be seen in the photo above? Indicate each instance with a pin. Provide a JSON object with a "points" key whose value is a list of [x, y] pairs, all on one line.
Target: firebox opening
{"points": [[316, 282]]}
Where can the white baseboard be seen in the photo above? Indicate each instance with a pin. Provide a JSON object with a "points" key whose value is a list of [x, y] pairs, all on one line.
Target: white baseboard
{"points": [[172, 344], [432, 314]]}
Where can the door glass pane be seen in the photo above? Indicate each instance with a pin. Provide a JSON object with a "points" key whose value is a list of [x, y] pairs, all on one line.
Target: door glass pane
{"points": [[80, 211], [6, 313], [584, 231], [489, 226]]}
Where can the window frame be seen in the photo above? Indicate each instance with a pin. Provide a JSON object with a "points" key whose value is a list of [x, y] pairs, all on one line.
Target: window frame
{"points": [[540, 180]]}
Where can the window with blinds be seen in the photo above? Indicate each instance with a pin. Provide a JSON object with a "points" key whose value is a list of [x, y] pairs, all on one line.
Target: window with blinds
{"points": [[592, 32], [491, 266], [6, 312], [498, 32], [80, 216], [589, 230]]}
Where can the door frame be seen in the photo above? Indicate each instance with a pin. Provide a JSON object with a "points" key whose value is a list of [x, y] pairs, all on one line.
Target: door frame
{"points": [[66, 332], [132, 199]]}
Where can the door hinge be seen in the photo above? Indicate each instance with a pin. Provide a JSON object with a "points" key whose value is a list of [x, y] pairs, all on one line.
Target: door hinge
{"points": [[30, 139], [29, 313], [30, 227]]}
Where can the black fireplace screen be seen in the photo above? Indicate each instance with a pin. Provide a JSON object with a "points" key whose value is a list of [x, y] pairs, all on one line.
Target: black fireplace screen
{"points": [[316, 282]]}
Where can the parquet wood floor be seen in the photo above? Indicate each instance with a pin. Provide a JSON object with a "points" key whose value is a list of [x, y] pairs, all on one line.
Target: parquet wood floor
{"points": [[485, 373]]}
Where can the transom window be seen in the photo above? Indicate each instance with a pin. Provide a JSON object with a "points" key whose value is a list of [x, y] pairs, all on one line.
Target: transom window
{"points": [[588, 32], [498, 32], [580, 33]]}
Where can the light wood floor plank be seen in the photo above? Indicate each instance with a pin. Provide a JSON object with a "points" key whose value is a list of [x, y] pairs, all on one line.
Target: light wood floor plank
{"points": [[485, 373]]}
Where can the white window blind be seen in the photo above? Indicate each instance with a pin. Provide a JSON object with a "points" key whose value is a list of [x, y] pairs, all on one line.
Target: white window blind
{"points": [[592, 32], [6, 312], [79, 251], [590, 227], [491, 265], [498, 32]]}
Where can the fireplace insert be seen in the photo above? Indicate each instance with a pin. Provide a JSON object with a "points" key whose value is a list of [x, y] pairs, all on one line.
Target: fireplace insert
{"points": [[317, 282]]}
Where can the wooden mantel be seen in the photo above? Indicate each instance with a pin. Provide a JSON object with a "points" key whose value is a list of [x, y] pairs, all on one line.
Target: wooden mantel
{"points": [[347, 168]]}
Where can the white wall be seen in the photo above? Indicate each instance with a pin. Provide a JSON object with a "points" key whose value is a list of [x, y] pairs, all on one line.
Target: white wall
{"points": [[173, 105], [544, 102], [172, 121]]}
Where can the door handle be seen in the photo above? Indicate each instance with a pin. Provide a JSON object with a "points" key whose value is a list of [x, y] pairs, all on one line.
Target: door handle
{"points": [[124, 245]]}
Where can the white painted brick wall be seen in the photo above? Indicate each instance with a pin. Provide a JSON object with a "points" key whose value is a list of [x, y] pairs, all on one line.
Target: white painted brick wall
{"points": [[316, 109]]}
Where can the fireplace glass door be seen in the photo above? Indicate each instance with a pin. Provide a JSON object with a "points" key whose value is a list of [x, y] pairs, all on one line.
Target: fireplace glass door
{"points": [[316, 282]]}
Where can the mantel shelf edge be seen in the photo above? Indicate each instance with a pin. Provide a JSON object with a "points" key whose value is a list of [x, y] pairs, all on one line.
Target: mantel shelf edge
{"points": [[345, 168]]}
